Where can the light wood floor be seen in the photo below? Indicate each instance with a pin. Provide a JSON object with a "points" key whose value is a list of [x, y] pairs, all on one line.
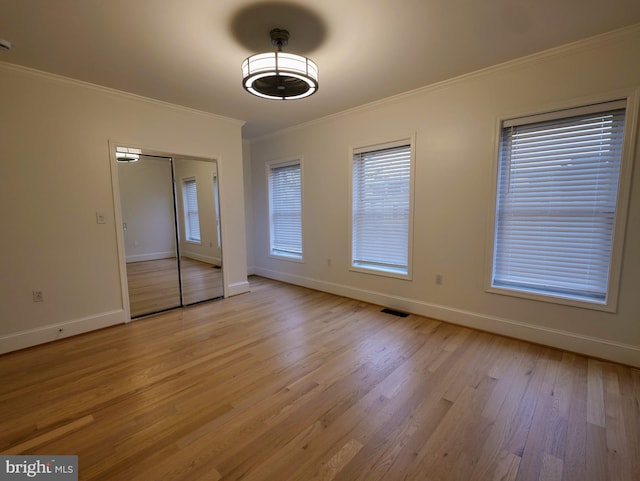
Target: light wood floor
{"points": [[289, 384], [200, 281], [154, 285]]}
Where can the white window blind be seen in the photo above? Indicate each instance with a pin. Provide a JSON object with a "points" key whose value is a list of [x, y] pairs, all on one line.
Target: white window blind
{"points": [[192, 218], [285, 209], [556, 204], [381, 208]]}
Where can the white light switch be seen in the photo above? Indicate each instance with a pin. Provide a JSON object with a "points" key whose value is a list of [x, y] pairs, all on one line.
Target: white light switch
{"points": [[100, 218]]}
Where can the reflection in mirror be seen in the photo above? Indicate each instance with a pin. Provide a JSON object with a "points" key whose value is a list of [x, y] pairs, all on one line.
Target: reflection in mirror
{"points": [[146, 196], [199, 224]]}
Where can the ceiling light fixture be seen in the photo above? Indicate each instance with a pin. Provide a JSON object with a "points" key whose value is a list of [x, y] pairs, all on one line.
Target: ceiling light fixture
{"points": [[128, 154], [279, 75], [122, 157]]}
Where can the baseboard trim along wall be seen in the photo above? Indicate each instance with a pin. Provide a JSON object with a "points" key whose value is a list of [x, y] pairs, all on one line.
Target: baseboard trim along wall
{"points": [[238, 288], [152, 256], [199, 257], [569, 341], [33, 337]]}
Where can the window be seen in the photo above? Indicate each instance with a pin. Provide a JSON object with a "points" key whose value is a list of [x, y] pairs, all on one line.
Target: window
{"points": [[557, 203], [285, 209], [381, 209], [191, 216]]}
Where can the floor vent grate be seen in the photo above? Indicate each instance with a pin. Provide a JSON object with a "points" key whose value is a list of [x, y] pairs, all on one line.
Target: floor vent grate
{"points": [[394, 312]]}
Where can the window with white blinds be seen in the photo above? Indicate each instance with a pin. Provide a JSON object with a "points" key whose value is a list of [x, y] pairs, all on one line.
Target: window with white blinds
{"points": [[191, 215], [557, 201], [285, 209], [381, 208]]}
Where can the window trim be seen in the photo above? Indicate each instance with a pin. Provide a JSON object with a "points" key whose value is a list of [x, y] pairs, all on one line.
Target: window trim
{"points": [[361, 147], [632, 98], [295, 160], [185, 210]]}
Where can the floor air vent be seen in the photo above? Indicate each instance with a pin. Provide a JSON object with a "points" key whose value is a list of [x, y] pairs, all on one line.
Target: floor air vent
{"points": [[394, 313]]}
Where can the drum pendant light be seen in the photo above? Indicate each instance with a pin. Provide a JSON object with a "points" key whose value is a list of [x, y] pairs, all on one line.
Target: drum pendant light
{"points": [[278, 75]]}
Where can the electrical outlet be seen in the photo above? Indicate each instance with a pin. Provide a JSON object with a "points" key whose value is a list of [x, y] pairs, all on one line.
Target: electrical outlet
{"points": [[439, 279], [100, 218], [38, 296]]}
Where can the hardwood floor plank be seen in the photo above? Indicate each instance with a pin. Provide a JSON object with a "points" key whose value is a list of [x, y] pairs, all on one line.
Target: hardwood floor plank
{"points": [[629, 382], [396, 438], [595, 400], [506, 467], [619, 463], [597, 456], [48, 436], [335, 399], [574, 465], [411, 414], [441, 451], [338, 461], [544, 418], [551, 468]]}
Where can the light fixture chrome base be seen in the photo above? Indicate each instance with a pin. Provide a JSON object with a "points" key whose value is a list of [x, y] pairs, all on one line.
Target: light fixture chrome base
{"points": [[279, 38]]}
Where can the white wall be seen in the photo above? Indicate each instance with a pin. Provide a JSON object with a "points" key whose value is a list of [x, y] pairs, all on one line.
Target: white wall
{"points": [[246, 156], [146, 199], [54, 146], [456, 126]]}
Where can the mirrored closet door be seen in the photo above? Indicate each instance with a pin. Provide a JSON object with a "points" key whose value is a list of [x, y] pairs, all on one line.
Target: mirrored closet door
{"points": [[199, 230], [171, 230]]}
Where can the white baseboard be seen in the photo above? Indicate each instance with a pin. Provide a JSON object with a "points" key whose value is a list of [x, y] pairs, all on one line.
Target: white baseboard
{"points": [[569, 341], [251, 270], [238, 288], [199, 257], [152, 256], [33, 337]]}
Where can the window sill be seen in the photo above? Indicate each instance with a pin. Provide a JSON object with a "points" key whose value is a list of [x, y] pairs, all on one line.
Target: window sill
{"points": [[607, 306], [381, 272], [284, 257]]}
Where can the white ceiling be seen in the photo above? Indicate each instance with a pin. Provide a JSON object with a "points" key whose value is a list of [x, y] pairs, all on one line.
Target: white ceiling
{"points": [[189, 52]]}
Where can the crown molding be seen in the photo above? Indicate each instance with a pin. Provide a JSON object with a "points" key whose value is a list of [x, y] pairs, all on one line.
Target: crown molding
{"points": [[555, 52], [120, 93]]}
